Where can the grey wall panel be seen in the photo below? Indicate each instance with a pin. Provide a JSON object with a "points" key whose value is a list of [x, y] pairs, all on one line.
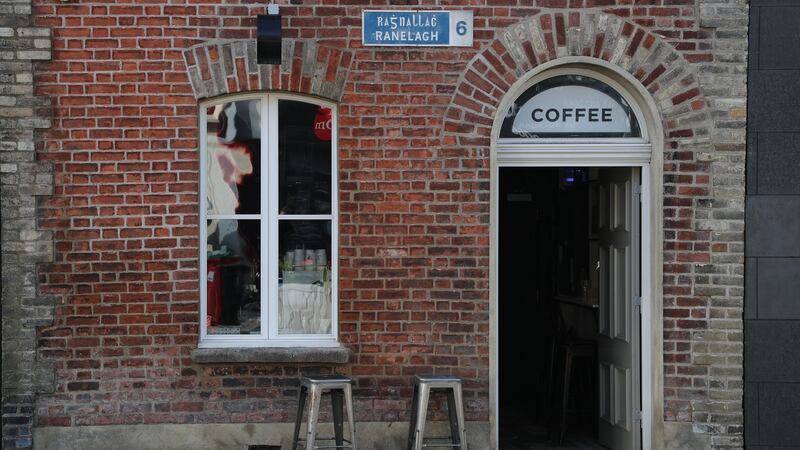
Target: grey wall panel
{"points": [[778, 161], [753, 41], [751, 288], [751, 411], [751, 163], [772, 352], [775, 94], [771, 447], [778, 288], [756, 3], [779, 39], [772, 226], [778, 412]]}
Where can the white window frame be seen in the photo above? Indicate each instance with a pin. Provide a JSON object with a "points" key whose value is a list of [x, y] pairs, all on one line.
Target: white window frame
{"points": [[270, 218]]}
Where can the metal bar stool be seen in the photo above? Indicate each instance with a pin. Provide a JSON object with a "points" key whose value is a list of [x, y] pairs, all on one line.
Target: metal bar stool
{"points": [[317, 385], [423, 384], [566, 348]]}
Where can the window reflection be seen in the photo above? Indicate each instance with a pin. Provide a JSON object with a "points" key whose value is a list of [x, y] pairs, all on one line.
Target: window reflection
{"points": [[304, 152], [233, 277], [233, 142]]}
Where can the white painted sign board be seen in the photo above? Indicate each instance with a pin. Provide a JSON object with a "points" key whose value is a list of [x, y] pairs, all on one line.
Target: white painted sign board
{"points": [[571, 110]]}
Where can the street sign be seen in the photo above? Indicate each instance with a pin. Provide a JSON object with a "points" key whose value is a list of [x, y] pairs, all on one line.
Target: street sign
{"points": [[417, 28]]}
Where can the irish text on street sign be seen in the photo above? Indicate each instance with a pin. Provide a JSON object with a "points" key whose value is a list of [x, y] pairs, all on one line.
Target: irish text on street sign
{"points": [[417, 28]]}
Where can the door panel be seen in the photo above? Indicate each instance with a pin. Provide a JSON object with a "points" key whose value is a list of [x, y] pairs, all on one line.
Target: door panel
{"points": [[605, 392], [621, 305], [604, 260], [619, 282], [622, 384]]}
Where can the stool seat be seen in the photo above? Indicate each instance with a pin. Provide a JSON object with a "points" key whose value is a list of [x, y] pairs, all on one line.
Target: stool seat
{"points": [[438, 381], [423, 385], [437, 378], [314, 386], [308, 380]]}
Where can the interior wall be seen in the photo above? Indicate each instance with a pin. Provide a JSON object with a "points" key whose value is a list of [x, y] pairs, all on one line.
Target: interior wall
{"points": [[526, 238], [543, 234], [772, 241]]}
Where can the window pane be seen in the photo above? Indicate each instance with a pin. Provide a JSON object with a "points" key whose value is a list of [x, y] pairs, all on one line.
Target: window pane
{"points": [[233, 300], [233, 142], [304, 152], [304, 300]]}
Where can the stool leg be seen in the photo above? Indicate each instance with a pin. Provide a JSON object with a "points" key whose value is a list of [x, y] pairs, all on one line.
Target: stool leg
{"points": [[412, 418], [301, 403], [422, 415], [351, 419], [551, 385], [313, 417], [557, 395], [565, 399], [338, 411], [455, 434], [462, 429]]}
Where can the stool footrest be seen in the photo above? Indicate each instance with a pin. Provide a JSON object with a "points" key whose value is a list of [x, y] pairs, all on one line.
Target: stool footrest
{"points": [[431, 444], [347, 443]]}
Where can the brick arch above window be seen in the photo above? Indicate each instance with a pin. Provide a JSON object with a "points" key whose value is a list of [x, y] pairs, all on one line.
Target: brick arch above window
{"points": [[550, 35], [229, 66]]}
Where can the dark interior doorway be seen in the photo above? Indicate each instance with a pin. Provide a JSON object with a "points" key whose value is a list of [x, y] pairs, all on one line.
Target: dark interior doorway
{"points": [[546, 284]]}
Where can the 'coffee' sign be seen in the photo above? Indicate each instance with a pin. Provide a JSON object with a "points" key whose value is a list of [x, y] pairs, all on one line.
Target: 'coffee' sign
{"points": [[417, 28], [571, 110]]}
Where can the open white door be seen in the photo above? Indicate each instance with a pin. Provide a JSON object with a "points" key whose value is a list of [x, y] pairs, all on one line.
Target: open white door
{"points": [[617, 227]]}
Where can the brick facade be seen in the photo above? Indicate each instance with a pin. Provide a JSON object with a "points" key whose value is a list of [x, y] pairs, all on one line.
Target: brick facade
{"points": [[414, 198], [22, 180]]}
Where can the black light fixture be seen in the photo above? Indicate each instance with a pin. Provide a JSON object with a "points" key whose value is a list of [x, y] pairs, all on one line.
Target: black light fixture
{"points": [[268, 32]]}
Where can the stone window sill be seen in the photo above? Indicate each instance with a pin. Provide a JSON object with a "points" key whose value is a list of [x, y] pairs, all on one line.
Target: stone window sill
{"points": [[316, 355]]}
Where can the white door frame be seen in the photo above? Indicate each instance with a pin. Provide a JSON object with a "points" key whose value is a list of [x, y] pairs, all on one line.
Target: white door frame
{"points": [[645, 153]]}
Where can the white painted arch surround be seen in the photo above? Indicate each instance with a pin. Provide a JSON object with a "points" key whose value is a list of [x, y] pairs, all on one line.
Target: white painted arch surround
{"points": [[646, 153]]}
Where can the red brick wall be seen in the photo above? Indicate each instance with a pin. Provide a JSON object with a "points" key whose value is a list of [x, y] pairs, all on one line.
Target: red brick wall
{"points": [[414, 220]]}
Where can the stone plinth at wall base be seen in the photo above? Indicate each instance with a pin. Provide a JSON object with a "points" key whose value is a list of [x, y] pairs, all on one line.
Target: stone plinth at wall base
{"points": [[217, 436], [681, 436]]}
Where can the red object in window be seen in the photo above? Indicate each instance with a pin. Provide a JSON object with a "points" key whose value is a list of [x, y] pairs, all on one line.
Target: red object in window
{"points": [[323, 124], [214, 291]]}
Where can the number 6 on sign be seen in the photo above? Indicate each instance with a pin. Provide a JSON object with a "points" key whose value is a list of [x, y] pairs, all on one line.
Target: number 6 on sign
{"points": [[461, 28]]}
